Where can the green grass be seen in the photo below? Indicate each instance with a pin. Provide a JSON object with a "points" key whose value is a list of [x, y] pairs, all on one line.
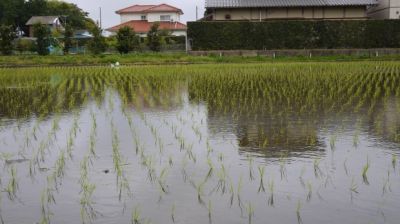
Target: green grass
{"points": [[166, 58]]}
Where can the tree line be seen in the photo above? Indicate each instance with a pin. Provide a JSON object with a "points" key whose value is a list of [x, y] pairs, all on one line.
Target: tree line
{"points": [[126, 39], [15, 13]]}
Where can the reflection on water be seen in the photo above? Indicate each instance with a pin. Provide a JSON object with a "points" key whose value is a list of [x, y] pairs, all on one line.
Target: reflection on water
{"points": [[306, 143]]}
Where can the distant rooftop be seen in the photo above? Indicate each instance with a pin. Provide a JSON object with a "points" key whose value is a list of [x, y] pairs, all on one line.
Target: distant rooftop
{"points": [[41, 19], [285, 3], [149, 8]]}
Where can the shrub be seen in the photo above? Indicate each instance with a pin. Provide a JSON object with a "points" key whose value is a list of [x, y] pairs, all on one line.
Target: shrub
{"points": [[233, 35], [97, 44], [127, 40], [42, 34], [68, 34], [7, 36], [154, 38], [24, 45]]}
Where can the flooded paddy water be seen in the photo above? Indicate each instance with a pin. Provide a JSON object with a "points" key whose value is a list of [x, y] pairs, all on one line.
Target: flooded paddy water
{"points": [[257, 143]]}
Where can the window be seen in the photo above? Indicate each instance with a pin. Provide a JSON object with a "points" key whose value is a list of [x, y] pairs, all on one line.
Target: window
{"points": [[165, 18], [227, 16], [143, 17]]}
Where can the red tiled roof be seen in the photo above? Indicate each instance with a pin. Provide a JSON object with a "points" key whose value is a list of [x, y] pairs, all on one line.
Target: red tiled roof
{"points": [[149, 8], [143, 26]]}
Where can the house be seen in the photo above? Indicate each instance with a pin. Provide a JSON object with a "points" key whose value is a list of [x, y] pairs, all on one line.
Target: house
{"points": [[260, 10], [141, 17], [385, 9], [53, 22]]}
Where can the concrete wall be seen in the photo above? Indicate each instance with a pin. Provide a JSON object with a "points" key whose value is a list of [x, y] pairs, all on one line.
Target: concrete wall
{"points": [[356, 12], [151, 17], [386, 9]]}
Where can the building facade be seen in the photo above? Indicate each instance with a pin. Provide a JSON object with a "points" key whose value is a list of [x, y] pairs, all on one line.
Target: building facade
{"points": [[141, 17], [52, 22], [256, 10], [385, 9]]}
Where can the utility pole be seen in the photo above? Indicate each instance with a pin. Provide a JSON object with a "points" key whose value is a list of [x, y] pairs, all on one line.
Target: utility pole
{"points": [[197, 13]]}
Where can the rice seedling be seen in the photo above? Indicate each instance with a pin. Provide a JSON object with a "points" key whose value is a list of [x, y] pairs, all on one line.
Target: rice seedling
{"points": [[209, 211], [210, 169], [200, 192], [365, 171], [394, 161], [298, 209], [136, 219], [173, 210], [317, 170], [250, 160], [345, 167], [261, 170], [250, 212], [332, 142], [310, 191], [12, 185], [282, 166], [271, 187], [161, 180]]}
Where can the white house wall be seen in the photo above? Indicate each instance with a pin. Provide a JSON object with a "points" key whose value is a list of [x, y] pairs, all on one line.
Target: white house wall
{"points": [[355, 12], [386, 9], [179, 33], [154, 17], [151, 17], [128, 17]]}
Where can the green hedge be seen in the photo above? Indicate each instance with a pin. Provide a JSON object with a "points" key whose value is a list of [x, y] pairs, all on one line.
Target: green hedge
{"points": [[235, 35]]}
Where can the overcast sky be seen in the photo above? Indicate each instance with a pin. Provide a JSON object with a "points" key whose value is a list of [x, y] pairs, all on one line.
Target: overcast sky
{"points": [[110, 6]]}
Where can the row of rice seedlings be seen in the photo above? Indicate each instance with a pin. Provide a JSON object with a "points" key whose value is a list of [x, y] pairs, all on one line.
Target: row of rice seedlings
{"points": [[122, 181], [87, 212]]}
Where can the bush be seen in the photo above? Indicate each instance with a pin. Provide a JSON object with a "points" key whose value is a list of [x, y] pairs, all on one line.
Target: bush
{"points": [[127, 40], [25, 45], [154, 38], [7, 36], [68, 34], [42, 34], [97, 44], [294, 34]]}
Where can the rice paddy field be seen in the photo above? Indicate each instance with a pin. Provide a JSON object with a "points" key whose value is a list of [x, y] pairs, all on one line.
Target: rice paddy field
{"points": [[224, 143]]}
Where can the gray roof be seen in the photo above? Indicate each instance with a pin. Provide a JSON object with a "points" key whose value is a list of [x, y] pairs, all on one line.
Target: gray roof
{"points": [[41, 19], [285, 3]]}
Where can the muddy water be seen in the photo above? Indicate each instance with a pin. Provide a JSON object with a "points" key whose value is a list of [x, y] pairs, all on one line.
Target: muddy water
{"points": [[194, 159]]}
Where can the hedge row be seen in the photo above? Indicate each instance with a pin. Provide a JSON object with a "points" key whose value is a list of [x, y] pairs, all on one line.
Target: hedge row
{"points": [[234, 35]]}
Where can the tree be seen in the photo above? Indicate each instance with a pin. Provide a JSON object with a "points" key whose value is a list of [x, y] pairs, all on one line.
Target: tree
{"points": [[153, 38], [18, 12], [7, 36], [97, 44], [68, 34], [42, 34], [126, 40], [71, 14]]}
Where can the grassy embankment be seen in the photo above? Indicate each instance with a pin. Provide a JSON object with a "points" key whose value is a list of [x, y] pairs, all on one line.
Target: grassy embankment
{"points": [[165, 58]]}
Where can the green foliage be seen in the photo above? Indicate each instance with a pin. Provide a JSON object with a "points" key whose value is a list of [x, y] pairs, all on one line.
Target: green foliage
{"points": [[75, 17], [68, 34], [25, 45], [154, 38], [294, 34], [7, 36], [97, 44], [18, 12], [42, 34], [127, 40]]}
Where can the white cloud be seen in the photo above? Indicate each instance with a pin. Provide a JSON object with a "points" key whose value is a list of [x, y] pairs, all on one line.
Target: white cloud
{"points": [[109, 7]]}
